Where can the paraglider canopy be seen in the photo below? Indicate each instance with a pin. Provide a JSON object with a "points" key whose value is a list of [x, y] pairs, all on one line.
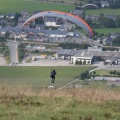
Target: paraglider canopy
{"points": [[89, 6], [67, 16]]}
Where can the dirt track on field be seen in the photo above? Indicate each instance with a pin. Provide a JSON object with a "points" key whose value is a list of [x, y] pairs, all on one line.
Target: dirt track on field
{"points": [[2, 61]]}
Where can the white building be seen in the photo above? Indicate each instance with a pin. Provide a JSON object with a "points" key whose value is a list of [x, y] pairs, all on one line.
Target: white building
{"points": [[10, 16], [51, 24], [1, 16], [56, 33], [95, 48], [83, 55], [104, 3]]}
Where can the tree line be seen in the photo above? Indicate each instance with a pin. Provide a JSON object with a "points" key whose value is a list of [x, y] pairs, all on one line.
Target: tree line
{"points": [[113, 4], [4, 50], [73, 46], [104, 21], [87, 75], [21, 52], [114, 73]]}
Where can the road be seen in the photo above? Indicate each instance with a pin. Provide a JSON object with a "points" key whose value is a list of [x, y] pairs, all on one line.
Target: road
{"points": [[13, 45], [95, 43], [108, 78]]}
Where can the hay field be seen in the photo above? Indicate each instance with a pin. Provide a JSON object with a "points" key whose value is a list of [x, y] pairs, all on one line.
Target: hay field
{"points": [[68, 104]]}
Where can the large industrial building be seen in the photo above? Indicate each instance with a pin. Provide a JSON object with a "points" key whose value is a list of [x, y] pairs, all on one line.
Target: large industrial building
{"points": [[89, 55]]}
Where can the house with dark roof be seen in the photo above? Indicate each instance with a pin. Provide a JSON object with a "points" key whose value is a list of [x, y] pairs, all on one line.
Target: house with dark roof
{"points": [[50, 19], [4, 22], [55, 33], [4, 30], [25, 13], [114, 35], [109, 40], [92, 17], [113, 60], [1, 16], [65, 53], [111, 16], [60, 21], [40, 27], [76, 12], [104, 3], [62, 28], [10, 16], [22, 19]]}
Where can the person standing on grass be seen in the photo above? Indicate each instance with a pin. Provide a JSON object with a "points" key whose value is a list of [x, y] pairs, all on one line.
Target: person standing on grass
{"points": [[52, 75]]}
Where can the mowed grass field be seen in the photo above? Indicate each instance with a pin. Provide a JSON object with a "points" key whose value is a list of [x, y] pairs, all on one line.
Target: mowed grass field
{"points": [[13, 6], [71, 2], [107, 30], [104, 11], [105, 72], [39, 76]]}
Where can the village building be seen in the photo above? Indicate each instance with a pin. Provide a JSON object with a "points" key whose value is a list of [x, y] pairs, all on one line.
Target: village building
{"points": [[51, 24], [92, 17], [1, 16], [83, 55], [104, 3], [25, 14], [88, 56], [65, 53], [111, 16], [76, 12], [95, 48], [10, 16], [109, 40], [55, 33]]}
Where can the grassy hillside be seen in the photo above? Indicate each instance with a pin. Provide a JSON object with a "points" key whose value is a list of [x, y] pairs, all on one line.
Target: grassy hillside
{"points": [[8, 6], [68, 104], [39, 76]]}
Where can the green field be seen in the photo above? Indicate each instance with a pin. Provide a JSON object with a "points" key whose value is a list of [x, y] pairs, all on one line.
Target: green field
{"points": [[103, 30], [39, 76], [107, 30], [8, 6], [71, 2], [104, 11], [105, 72]]}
